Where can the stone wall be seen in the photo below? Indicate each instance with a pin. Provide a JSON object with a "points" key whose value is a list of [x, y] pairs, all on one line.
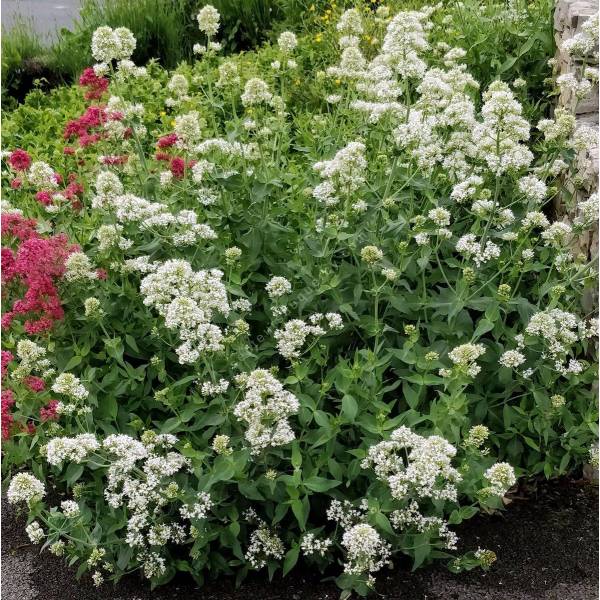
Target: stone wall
{"points": [[569, 16]]}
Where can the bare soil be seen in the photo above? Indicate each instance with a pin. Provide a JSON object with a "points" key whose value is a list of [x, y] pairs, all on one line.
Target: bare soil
{"points": [[546, 542]]}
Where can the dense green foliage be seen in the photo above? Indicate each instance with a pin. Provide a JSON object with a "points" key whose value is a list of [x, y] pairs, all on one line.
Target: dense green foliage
{"points": [[394, 330]]}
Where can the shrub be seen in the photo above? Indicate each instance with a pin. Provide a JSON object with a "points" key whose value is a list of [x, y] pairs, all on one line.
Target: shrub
{"points": [[315, 306]]}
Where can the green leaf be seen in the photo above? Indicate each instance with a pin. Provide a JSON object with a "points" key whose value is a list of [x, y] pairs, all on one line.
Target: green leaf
{"points": [[291, 558], [349, 407], [320, 484]]}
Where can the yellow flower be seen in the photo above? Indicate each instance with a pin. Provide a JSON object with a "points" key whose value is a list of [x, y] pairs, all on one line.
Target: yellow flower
{"points": [[173, 123], [297, 82], [162, 113], [312, 8], [338, 81], [318, 37]]}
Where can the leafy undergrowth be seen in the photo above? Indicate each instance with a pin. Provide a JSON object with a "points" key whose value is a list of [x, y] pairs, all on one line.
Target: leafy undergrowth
{"points": [[305, 304]]}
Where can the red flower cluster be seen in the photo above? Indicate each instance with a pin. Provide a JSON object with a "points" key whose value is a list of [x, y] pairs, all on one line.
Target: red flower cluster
{"points": [[48, 412], [19, 160], [7, 402], [7, 357], [35, 384], [166, 141], [82, 127], [96, 86], [114, 160], [18, 226], [36, 265]]}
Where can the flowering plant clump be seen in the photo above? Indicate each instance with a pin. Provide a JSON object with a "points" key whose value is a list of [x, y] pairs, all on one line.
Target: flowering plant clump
{"points": [[305, 304]]}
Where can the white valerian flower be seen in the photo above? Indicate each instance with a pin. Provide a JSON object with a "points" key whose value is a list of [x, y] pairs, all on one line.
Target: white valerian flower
{"points": [[70, 386], [415, 465], [345, 172], [512, 359], [256, 91], [265, 409], [24, 487], [264, 546], [188, 301], [112, 44], [220, 444], [179, 85], [533, 188], [311, 545], [440, 216], [30, 353], [208, 20], [70, 508], [468, 246], [498, 138], [366, 550], [35, 533], [557, 234], [187, 128], [501, 477], [198, 509], [350, 22], [587, 211], [277, 287], [228, 74], [74, 449], [287, 42], [79, 267], [208, 388], [42, 176], [294, 333], [464, 357], [477, 436], [371, 254]]}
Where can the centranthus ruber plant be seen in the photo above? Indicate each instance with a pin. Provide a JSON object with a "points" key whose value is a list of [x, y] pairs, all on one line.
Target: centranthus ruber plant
{"points": [[304, 305]]}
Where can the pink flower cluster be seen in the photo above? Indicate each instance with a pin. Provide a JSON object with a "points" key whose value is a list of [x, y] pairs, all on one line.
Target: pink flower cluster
{"points": [[84, 127], [34, 267], [96, 86], [7, 402]]}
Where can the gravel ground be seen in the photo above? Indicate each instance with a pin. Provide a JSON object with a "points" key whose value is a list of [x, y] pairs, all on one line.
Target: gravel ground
{"points": [[547, 547]]}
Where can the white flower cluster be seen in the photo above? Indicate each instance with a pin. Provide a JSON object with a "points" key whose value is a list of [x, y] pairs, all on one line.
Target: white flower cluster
{"points": [[366, 550], [31, 359], [110, 44], [35, 533], [501, 477], [343, 174], [498, 138], [208, 20], [277, 287], [311, 545], [265, 409], [70, 386], [411, 516], [78, 267], [188, 301], [264, 546], [415, 466], [183, 226], [25, 487], [469, 247], [557, 331], [585, 42], [72, 449], [292, 337], [464, 357], [42, 176]]}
